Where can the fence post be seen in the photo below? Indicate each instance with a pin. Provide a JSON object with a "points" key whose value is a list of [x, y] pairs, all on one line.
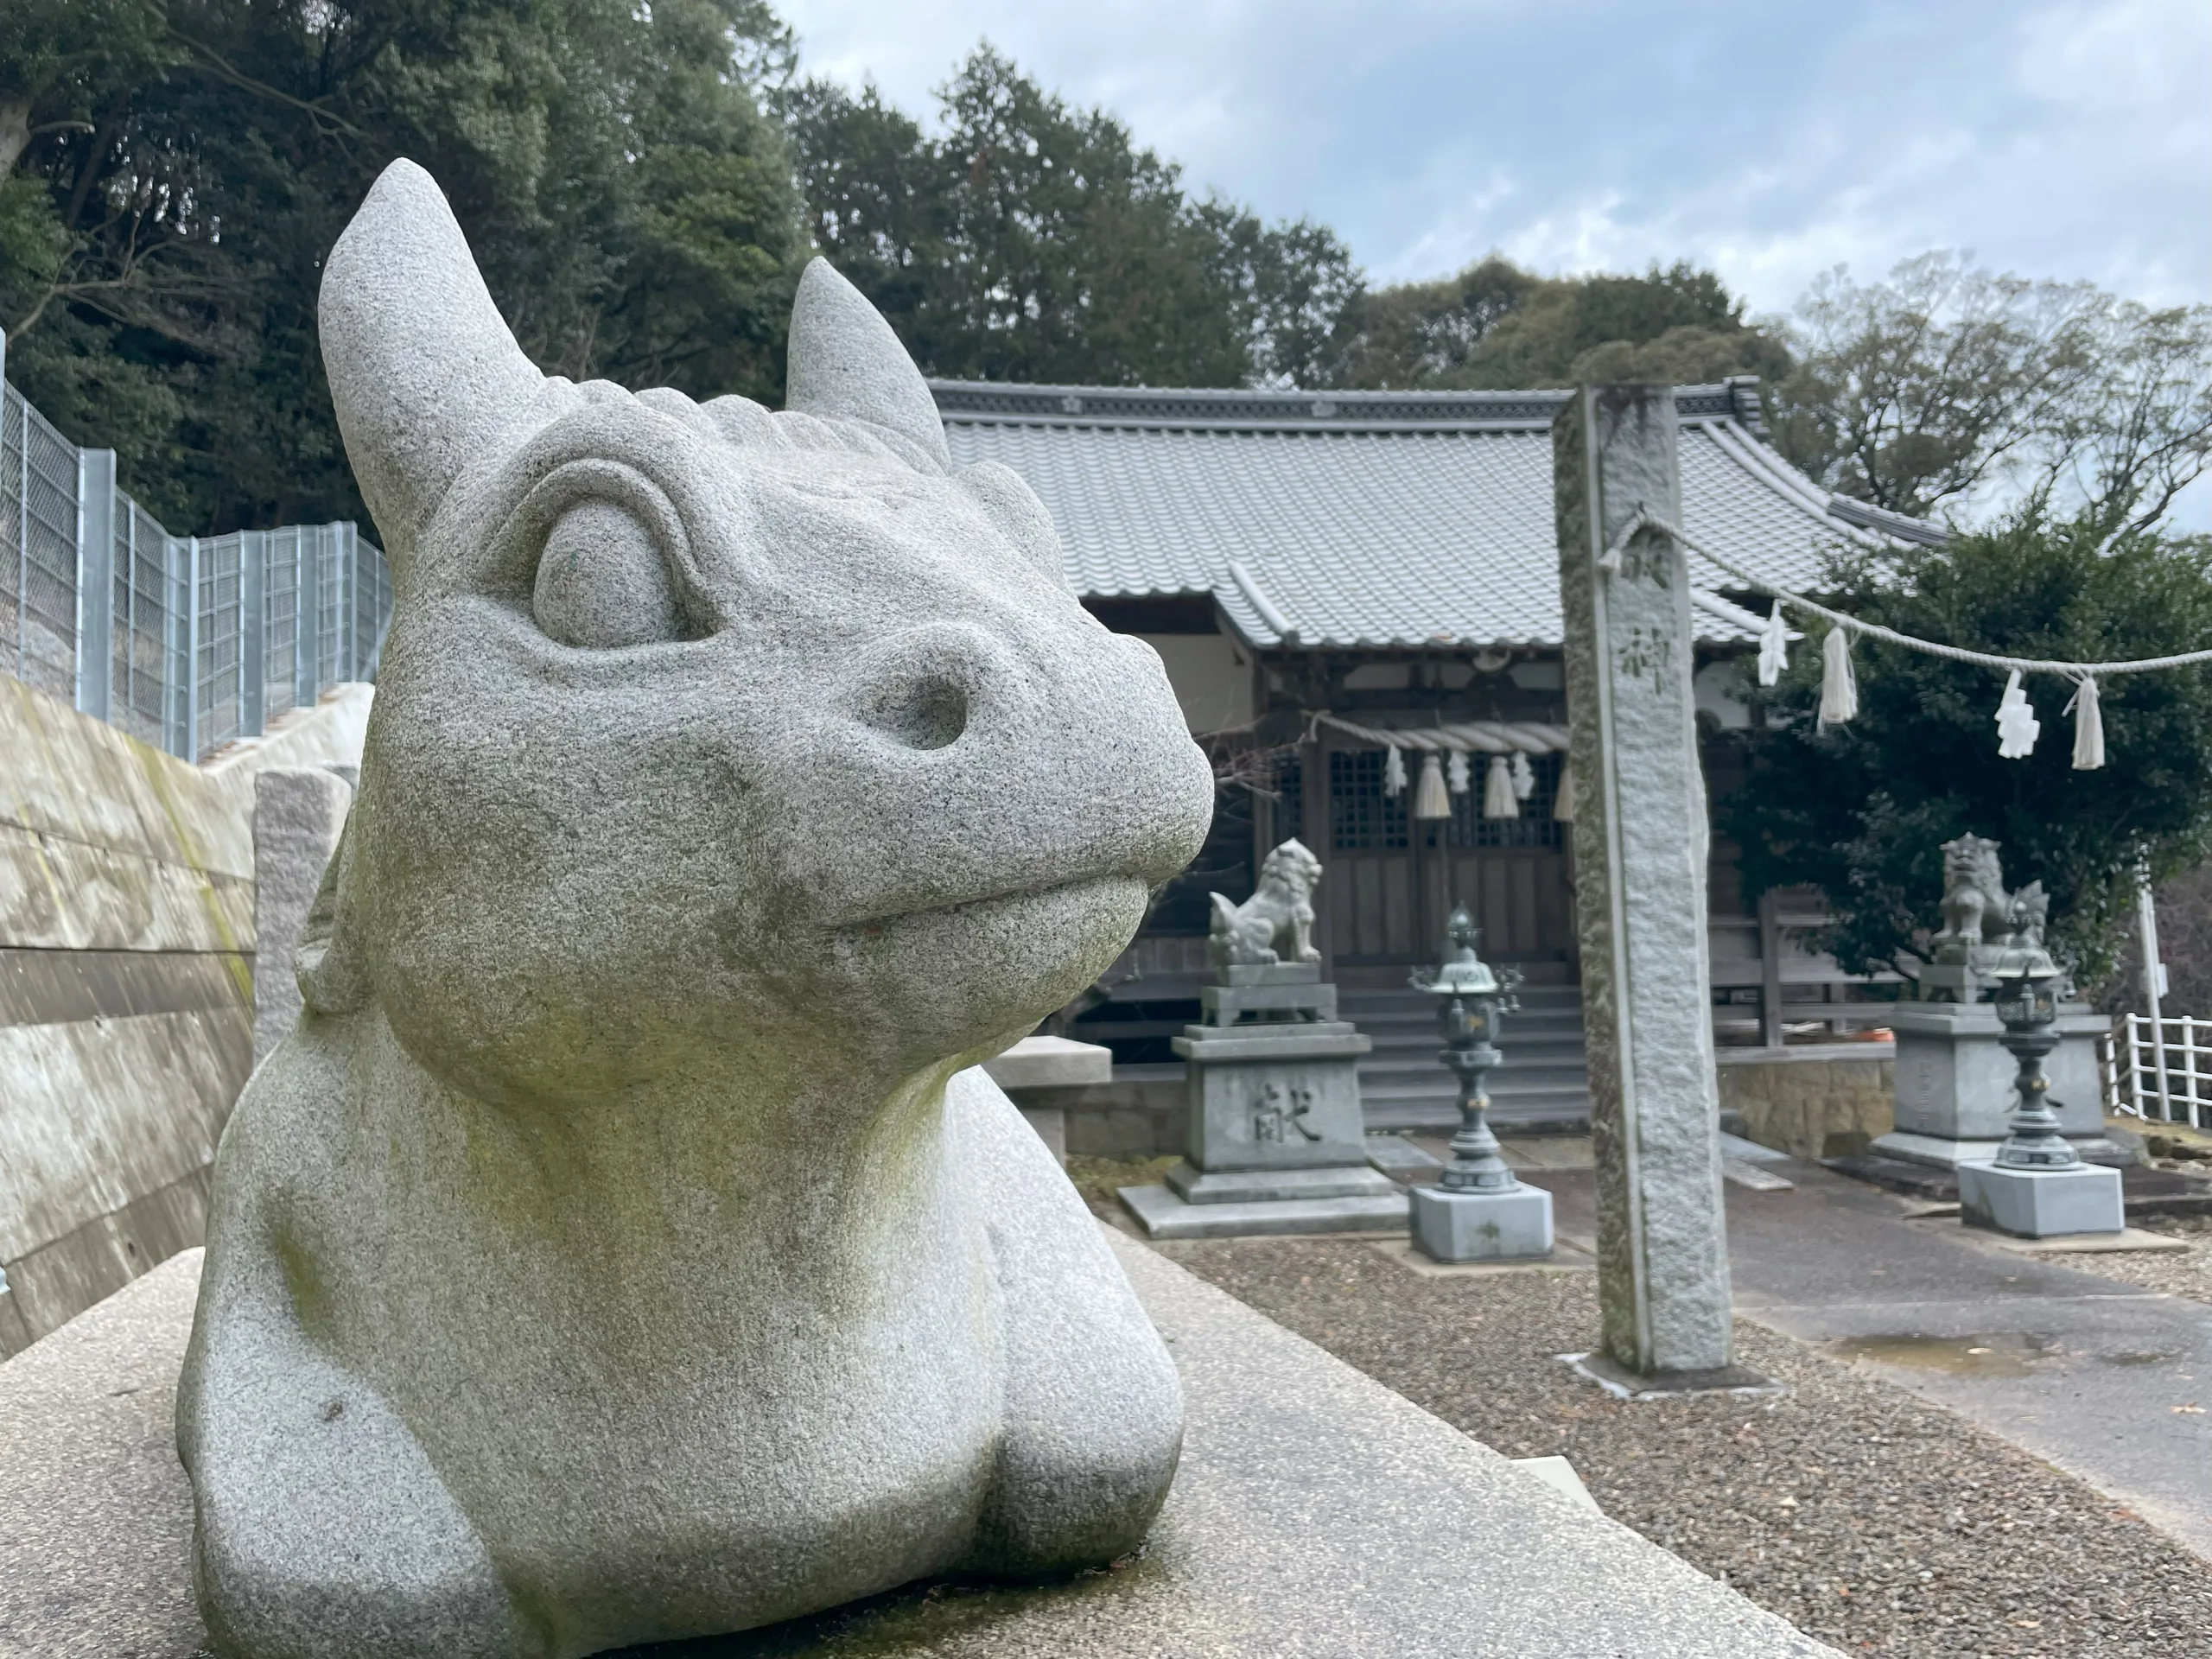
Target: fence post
{"points": [[2135, 1067], [2154, 978], [1771, 969], [95, 581], [306, 619], [190, 678], [253, 630], [349, 588]]}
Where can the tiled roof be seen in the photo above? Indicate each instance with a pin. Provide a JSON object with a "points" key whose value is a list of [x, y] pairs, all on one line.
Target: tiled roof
{"points": [[1375, 518]]}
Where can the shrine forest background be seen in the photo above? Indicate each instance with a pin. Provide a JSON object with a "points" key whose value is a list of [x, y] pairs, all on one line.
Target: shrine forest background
{"points": [[643, 184]]}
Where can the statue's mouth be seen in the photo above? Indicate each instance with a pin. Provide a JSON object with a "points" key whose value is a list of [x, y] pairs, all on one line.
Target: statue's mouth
{"points": [[995, 910]]}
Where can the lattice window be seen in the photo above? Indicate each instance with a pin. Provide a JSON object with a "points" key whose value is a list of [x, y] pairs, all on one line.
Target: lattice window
{"points": [[1361, 818], [1467, 828]]}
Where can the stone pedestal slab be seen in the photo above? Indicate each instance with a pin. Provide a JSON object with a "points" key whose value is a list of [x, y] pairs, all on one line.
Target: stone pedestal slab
{"points": [[1955, 1084], [1050, 1063], [1273, 1097], [1165, 1215], [1315, 1514], [1508, 1226], [1223, 1004], [1035, 1063], [1273, 1140], [1195, 1186], [2041, 1203]]}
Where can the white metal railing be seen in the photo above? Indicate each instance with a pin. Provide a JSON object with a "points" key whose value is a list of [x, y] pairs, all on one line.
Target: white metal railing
{"points": [[187, 642], [2161, 1069]]}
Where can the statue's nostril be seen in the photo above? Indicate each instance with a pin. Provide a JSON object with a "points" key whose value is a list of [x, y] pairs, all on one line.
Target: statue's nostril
{"points": [[932, 714]]}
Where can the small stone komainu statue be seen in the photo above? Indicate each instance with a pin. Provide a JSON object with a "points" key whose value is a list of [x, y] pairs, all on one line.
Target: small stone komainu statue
{"points": [[622, 1246], [1276, 923]]}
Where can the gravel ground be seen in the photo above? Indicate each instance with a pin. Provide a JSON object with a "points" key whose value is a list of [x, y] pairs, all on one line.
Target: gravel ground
{"points": [[2171, 1271], [1867, 1517]]}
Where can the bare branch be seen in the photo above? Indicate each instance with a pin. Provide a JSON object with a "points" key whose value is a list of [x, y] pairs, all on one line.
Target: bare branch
{"points": [[212, 62]]}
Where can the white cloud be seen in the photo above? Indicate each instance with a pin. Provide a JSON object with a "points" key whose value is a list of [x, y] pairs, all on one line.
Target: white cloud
{"points": [[1772, 141]]}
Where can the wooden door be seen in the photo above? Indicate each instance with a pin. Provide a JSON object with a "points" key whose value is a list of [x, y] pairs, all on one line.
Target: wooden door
{"points": [[1392, 883]]}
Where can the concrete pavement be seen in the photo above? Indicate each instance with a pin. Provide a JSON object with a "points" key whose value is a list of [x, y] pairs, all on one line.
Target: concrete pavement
{"points": [[2108, 1383]]}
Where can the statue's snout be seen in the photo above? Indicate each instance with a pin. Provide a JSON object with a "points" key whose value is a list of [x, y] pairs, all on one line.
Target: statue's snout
{"points": [[984, 761]]}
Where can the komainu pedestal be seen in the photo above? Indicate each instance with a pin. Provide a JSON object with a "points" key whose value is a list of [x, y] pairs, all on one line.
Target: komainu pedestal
{"points": [[1274, 1139], [1274, 1142], [1954, 1077]]}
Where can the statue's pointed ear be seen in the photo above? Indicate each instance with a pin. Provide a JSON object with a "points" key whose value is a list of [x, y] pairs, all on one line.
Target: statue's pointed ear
{"points": [[423, 369], [847, 364]]}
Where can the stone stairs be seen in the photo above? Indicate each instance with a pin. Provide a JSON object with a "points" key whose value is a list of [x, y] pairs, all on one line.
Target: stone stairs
{"points": [[1543, 1085]]}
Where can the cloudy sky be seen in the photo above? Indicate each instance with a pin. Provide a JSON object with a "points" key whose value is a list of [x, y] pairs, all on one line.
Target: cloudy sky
{"points": [[1770, 139]]}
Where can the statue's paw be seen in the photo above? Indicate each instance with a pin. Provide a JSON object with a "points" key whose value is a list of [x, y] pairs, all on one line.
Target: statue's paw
{"points": [[1067, 1509], [325, 1533]]}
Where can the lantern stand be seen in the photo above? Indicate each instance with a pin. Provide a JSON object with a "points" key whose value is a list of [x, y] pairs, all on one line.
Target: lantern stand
{"points": [[2037, 1186], [1478, 1210]]}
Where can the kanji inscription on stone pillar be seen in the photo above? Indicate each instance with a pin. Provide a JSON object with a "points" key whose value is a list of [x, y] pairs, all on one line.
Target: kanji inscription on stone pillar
{"points": [[1640, 844]]}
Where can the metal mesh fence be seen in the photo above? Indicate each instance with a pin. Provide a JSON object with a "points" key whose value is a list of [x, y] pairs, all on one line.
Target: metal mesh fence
{"points": [[220, 647], [372, 610], [138, 694], [38, 549], [186, 643], [330, 610], [280, 618]]}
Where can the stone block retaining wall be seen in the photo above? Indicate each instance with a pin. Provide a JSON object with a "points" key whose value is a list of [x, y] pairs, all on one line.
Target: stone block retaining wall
{"points": [[126, 988], [1827, 1100], [1125, 1118]]}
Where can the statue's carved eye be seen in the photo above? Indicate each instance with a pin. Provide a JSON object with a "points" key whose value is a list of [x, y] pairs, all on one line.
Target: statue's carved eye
{"points": [[603, 582]]}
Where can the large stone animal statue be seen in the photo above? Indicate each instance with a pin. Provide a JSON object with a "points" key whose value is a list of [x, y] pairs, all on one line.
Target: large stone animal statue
{"points": [[621, 1247], [1276, 923]]}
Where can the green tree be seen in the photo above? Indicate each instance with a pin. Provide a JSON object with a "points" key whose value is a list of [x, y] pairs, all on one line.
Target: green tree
{"points": [[1037, 242], [1495, 326], [1946, 387], [1861, 811], [630, 204]]}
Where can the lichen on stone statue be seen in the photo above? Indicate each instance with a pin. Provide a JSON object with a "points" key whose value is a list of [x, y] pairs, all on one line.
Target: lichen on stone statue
{"points": [[623, 1245]]}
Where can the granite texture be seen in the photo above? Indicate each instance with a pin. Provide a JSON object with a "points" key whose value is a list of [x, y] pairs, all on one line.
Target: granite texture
{"points": [[1315, 1515], [1828, 1104], [1165, 1213], [1276, 923], [1050, 1063], [1956, 1081], [297, 814], [622, 1247], [1283, 1096], [1477, 1226], [95, 1517], [2041, 1203], [1640, 857]]}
